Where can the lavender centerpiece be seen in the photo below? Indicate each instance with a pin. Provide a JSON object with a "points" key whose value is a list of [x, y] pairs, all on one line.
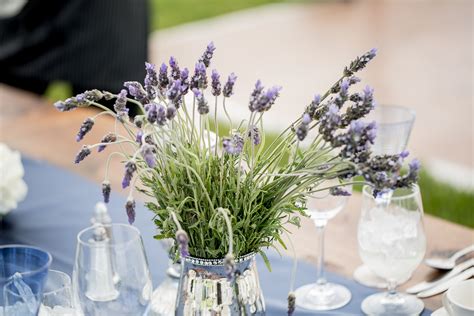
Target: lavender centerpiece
{"points": [[228, 199]]}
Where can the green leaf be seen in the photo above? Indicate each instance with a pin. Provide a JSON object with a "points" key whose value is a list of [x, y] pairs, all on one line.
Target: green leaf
{"points": [[265, 259]]}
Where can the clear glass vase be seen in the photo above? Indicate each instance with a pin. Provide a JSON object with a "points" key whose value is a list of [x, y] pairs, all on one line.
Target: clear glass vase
{"points": [[205, 290]]}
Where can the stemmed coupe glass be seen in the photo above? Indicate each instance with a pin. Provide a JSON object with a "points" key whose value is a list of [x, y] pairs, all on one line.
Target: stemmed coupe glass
{"points": [[392, 244], [323, 295]]}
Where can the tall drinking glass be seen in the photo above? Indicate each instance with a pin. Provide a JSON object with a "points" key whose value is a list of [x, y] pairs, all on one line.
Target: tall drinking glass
{"points": [[111, 276], [322, 295], [57, 296], [392, 244], [394, 125]]}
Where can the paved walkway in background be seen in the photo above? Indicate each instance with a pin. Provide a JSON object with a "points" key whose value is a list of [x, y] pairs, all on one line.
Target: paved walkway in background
{"points": [[425, 61]]}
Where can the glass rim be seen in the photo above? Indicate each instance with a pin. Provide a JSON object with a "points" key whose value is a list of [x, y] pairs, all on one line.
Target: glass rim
{"points": [[411, 112], [63, 275], [415, 190], [122, 225], [46, 265]]}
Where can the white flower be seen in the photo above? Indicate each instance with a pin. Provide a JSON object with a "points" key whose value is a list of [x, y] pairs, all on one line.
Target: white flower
{"points": [[12, 187]]}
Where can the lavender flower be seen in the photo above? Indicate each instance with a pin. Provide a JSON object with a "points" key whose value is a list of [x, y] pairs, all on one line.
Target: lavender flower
{"points": [[66, 105], [185, 81], [109, 138], [151, 81], [106, 189], [130, 168], [120, 106], [311, 109], [163, 80], [206, 57], [174, 69], [152, 112], [170, 112], [360, 62], [254, 135], [303, 128], [255, 95], [161, 115], [174, 91], [85, 128], [356, 142], [404, 154], [93, 95], [229, 266], [147, 153], [233, 145], [267, 99], [136, 90], [139, 136], [130, 208], [291, 303], [338, 191], [138, 120], [82, 154], [182, 240], [363, 104], [228, 89], [329, 122], [199, 79], [203, 108], [215, 83]]}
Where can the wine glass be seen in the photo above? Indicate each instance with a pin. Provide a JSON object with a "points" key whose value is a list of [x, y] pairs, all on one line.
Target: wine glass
{"points": [[392, 244], [394, 125], [111, 274], [57, 295], [322, 295]]}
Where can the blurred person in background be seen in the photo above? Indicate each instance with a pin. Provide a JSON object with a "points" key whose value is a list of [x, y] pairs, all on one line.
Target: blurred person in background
{"points": [[86, 43]]}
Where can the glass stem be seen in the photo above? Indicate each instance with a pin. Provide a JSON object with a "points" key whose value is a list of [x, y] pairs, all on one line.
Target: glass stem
{"points": [[321, 280]]}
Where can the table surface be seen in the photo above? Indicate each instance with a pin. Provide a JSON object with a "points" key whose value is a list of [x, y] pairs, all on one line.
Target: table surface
{"points": [[32, 126]]}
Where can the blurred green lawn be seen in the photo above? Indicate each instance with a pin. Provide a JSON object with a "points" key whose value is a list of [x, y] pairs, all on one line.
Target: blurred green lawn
{"points": [[439, 199]]}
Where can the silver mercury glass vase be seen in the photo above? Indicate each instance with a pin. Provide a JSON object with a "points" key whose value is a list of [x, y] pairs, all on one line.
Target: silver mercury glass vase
{"points": [[205, 290]]}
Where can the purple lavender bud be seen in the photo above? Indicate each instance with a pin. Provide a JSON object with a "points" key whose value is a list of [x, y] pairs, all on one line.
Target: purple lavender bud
{"points": [[83, 153], [185, 81], [109, 138], [63, 106], [108, 96], [130, 168], [139, 136], [151, 78], [255, 95], [344, 87], [207, 56], [182, 241], [138, 120], [233, 145], [161, 115], [163, 76], [199, 79], [106, 189], [353, 80], [85, 128], [329, 122], [302, 131], [228, 89], [170, 112], [136, 90], [414, 165], [267, 99], [147, 153], [216, 85], [174, 72], [120, 106], [360, 62], [404, 154], [130, 209], [254, 135], [291, 303], [306, 119], [174, 92], [229, 266], [203, 108], [152, 112], [337, 191]]}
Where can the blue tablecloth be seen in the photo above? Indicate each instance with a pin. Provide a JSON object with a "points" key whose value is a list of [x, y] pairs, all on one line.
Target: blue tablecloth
{"points": [[59, 204]]}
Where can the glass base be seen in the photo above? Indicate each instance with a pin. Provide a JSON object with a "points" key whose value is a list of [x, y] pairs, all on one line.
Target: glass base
{"points": [[365, 276], [399, 304], [322, 297]]}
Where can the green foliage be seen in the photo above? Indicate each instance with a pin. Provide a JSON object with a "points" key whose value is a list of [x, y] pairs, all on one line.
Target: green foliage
{"points": [[167, 13]]}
